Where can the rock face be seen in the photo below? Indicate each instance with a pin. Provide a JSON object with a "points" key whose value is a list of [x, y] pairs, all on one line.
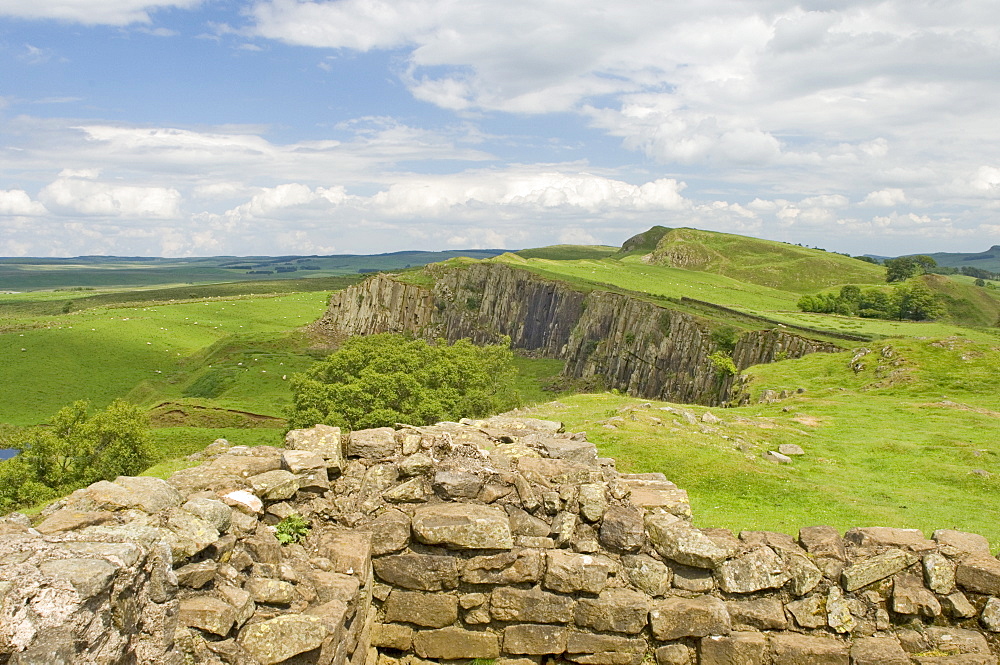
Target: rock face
{"points": [[556, 555], [638, 347]]}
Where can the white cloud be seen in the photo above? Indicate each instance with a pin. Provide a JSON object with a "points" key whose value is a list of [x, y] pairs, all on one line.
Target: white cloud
{"points": [[16, 202], [885, 198], [74, 193], [88, 12]]}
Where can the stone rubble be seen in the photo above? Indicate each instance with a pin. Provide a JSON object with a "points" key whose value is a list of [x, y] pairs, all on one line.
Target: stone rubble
{"points": [[497, 539]]}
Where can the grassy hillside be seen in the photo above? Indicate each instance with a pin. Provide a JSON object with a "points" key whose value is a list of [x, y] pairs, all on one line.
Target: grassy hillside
{"points": [[567, 252], [763, 262], [907, 442]]}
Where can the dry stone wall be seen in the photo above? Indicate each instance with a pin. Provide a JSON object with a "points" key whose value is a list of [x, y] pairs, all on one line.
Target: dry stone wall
{"points": [[636, 346], [503, 539]]}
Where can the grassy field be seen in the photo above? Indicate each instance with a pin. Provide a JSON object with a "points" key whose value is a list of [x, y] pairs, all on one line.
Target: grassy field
{"points": [[911, 445]]}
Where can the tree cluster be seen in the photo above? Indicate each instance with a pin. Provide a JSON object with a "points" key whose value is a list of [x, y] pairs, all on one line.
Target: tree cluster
{"points": [[77, 449], [909, 300], [379, 380], [905, 267]]}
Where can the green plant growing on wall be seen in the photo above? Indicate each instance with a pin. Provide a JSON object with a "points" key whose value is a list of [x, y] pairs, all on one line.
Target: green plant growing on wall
{"points": [[723, 363], [292, 529]]}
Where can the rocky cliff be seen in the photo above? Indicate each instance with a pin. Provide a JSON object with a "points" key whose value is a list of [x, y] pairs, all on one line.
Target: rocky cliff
{"points": [[640, 347], [503, 539]]}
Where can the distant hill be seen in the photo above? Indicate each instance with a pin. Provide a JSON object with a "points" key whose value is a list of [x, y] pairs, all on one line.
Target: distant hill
{"points": [[988, 260], [765, 262], [30, 274], [568, 252]]}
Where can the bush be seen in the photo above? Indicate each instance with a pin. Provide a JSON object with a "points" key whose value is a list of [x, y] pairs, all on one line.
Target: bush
{"points": [[380, 380]]}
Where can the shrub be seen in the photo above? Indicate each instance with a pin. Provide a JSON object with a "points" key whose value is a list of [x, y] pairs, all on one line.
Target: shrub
{"points": [[380, 380], [292, 529]]}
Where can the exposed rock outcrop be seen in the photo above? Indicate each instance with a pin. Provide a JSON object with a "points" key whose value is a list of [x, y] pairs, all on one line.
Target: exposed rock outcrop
{"points": [[640, 347]]}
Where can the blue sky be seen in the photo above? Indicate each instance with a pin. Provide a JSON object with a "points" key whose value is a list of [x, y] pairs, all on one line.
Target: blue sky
{"points": [[188, 127]]}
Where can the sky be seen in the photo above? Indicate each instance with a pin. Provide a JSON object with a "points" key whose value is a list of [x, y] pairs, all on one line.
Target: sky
{"points": [[270, 127]]}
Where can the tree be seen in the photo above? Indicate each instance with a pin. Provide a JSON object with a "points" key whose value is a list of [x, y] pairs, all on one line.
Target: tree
{"points": [[917, 302], [924, 262], [379, 380], [75, 450], [900, 269], [980, 282]]}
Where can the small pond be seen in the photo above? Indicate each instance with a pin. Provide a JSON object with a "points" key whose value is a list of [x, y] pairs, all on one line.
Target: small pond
{"points": [[7, 453]]}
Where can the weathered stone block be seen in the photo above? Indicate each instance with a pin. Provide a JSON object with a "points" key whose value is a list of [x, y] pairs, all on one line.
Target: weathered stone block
{"points": [[214, 512], [939, 573], [990, 618], [743, 648], [659, 494], [614, 611], [277, 485], [758, 569], [278, 639], [876, 568], [514, 567], [823, 541], [422, 572], [151, 495], [196, 575], [580, 452], [450, 643], [622, 528], [390, 532], [878, 651], [323, 440], [962, 542], [757, 614], [90, 577], [791, 649], [591, 649], [673, 654], [650, 576], [810, 612], [881, 536], [910, 597], [377, 443], [272, 592], [392, 636], [673, 618], [569, 572], [979, 573], [530, 606], [67, 519], [207, 613], [457, 484], [673, 539], [463, 526], [593, 503], [432, 610], [534, 639]]}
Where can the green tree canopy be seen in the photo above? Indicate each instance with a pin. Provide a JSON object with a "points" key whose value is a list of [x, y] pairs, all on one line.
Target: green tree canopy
{"points": [[77, 449], [379, 380], [901, 269]]}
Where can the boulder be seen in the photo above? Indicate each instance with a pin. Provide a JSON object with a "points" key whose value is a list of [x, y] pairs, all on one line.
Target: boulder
{"points": [[962, 542], [150, 495], [390, 532], [463, 526]]}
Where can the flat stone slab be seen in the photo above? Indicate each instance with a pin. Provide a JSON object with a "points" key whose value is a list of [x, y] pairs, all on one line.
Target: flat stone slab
{"points": [[463, 526], [876, 568]]}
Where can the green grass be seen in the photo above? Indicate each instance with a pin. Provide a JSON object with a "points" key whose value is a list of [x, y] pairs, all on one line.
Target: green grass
{"points": [[765, 262], [101, 353], [897, 446], [568, 252]]}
